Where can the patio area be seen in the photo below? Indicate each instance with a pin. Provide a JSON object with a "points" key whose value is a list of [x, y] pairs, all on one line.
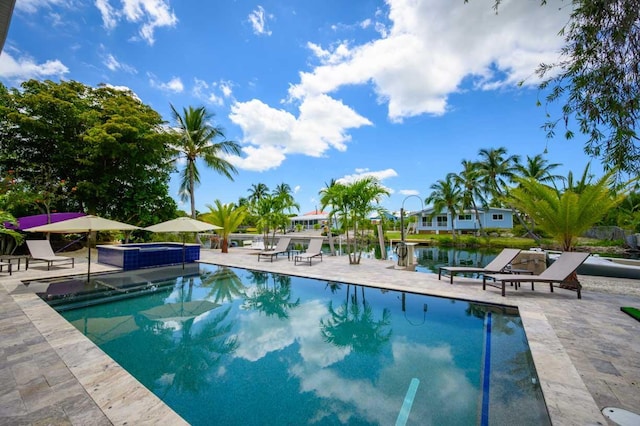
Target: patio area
{"points": [[585, 351]]}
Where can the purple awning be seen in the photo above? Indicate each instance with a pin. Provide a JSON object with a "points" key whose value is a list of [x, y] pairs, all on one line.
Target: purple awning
{"points": [[41, 219]]}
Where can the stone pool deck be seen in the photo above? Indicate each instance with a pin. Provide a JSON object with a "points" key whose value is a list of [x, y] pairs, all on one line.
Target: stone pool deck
{"points": [[585, 351]]}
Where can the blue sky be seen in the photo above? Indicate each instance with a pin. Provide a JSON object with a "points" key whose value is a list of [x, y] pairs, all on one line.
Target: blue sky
{"points": [[316, 90]]}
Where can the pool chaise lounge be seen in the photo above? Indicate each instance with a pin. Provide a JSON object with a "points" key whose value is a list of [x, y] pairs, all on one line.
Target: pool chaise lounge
{"points": [[497, 265], [280, 248], [41, 250], [313, 250], [558, 272]]}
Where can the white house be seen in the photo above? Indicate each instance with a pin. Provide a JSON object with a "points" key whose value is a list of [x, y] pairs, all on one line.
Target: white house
{"points": [[310, 220], [465, 222]]}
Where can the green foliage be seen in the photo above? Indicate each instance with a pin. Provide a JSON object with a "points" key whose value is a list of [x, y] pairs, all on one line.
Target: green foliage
{"points": [[195, 140], [70, 147], [565, 215], [228, 217]]}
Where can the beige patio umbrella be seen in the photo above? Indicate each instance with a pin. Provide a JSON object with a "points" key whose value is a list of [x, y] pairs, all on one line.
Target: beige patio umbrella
{"points": [[83, 224], [102, 330], [182, 225]]}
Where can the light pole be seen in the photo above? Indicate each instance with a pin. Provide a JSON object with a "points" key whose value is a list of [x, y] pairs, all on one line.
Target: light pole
{"points": [[402, 214]]}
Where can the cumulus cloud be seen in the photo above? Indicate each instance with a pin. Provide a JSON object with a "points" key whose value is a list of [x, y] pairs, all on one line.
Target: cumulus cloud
{"points": [[431, 47], [409, 192], [24, 68], [174, 85], [149, 14], [380, 175], [214, 93], [258, 19], [271, 134]]}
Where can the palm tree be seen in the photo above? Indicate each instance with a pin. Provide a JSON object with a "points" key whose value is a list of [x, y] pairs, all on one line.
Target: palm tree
{"points": [[468, 181], [329, 197], [196, 136], [566, 215], [496, 170], [257, 192], [226, 216], [538, 168], [356, 200], [447, 196]]}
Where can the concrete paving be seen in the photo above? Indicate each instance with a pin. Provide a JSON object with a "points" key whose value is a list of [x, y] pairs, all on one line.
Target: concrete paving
{"points": [[585, 351]]}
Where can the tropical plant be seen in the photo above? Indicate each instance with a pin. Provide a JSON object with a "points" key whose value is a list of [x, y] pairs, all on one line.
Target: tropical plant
{"points": [[352, 203], [468, 181], [327, 195], [227, 216], [9, 238], [257, 191], [566, 215], [446, 196], [195, 141], [538, 168]]}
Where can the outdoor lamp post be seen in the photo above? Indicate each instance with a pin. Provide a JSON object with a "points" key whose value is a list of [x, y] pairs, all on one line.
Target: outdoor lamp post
{"points": [[402, 214]]}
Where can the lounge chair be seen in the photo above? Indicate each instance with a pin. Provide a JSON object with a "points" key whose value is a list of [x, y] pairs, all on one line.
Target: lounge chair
{"points": [[313, 250], [558, 272], [8, 264], [41, 250], [280, 248], [497, 265]]}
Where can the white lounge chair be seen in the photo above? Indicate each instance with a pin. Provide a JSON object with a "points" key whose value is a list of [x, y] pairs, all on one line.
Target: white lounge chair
{"points": [[558, 272], [497, 265], [280, 248], [313, 250], [41, 250]]}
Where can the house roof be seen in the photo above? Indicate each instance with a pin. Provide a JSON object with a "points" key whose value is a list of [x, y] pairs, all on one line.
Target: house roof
{"points": [[6, 11]]}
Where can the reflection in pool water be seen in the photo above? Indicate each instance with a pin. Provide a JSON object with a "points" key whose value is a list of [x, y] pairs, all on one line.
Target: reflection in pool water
{"points": [[245, 347]]}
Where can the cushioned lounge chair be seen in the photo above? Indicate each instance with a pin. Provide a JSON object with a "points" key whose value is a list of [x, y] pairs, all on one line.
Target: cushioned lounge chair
{"points": [[497, 265], [558, 272], [41, 250], [281, 248], [313, 250]]}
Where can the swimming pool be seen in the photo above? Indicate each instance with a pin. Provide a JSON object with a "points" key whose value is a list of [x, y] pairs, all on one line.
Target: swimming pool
{"points": [[233, 346]]}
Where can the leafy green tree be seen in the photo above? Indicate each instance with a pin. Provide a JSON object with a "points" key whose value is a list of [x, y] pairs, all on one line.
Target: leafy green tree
{"points": [[227, 216], [596, 78], [446, 196], [537, 167], [71, 147], [258, 191], [566, 215], [196, 141], [328, 196], [9, 238]]}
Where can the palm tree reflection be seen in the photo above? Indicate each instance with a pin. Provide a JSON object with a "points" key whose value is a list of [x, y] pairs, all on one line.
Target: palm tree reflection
{"points": [[224, 284], [354, 326], [273, 300]]}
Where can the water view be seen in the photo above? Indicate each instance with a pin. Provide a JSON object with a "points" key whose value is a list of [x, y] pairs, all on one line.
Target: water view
{"points": [[235, 346]]}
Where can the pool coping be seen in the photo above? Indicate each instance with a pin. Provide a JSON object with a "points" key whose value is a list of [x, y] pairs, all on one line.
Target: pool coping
{"points": [[123, 399]]}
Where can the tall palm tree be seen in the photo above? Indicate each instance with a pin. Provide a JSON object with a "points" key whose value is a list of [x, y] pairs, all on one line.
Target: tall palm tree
{"points": [[258, 191], [469, 182], [537, 167], [447, 196], [226, 216], [496, 170], [196, 141], [327, 196]]}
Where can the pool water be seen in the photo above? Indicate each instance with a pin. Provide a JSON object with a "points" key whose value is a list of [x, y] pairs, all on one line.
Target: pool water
{"points": [[233, 346]]}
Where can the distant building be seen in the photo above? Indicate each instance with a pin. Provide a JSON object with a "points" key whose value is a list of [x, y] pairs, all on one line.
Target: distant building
{"points": [[465, 222], [310, 219]]}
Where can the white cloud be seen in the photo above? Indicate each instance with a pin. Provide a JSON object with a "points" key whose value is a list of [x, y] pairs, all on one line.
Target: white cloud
{"points": [[380, 175], [113, 64], [271, 133], [258, 19], [213, 93], [151, 14], [296, 189], [409, 192], [431, 47], [174, 85], [32, 6], [24, 68]]}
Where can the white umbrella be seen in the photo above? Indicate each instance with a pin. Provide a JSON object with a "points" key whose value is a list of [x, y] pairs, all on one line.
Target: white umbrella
{"points": [[84, 224], [182, 224]]}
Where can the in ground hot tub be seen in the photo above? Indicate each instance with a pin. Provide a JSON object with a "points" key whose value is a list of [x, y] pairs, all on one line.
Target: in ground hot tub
{"points": [[136, 256]]}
